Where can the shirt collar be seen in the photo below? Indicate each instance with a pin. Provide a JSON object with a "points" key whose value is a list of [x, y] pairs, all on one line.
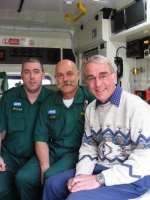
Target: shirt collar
{"points": [[114, 99], [22, 92], [40, 97], [78, 98]]}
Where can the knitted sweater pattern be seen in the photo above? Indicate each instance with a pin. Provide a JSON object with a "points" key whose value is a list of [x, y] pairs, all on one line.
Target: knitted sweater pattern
{"points": [[117, 137]]}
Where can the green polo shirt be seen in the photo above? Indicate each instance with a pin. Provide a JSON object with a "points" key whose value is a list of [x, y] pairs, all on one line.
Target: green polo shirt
{"points": [[17, 119], [61, 127]]}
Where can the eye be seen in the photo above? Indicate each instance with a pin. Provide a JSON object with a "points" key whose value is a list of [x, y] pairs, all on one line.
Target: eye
{"points": [[70, 73], [103, 76], [37, 71], [59, 76], [90, 78], [26, 72]]}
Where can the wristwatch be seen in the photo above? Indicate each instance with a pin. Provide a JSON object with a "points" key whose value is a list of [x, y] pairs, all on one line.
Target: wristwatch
{"points": [[100, 178]]}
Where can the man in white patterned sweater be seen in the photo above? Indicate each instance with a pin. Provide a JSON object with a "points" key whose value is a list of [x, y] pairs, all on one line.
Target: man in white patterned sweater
{"points": [[115, 152]]}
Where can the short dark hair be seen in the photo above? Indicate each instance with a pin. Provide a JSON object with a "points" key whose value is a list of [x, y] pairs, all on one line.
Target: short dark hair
{"points": [[32, 60]]}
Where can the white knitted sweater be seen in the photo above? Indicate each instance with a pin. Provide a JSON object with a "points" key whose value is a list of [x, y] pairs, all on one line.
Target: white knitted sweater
{"points": [[117, 137]]}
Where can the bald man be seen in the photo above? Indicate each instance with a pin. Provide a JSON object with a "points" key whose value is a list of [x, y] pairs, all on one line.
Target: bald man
{"points": [[60, 123]]}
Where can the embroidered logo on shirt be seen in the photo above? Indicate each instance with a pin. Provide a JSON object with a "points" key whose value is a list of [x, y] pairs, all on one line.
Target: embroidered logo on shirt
{"points": [[52, 113], [17, 106]]}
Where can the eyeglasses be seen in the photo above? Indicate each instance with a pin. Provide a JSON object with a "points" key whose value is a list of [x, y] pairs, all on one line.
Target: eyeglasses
{"points": [[102, 77]]}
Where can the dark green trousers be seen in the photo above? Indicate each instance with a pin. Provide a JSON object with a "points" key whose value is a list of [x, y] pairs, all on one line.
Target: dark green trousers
{"points": [[21, 180], [28, 181]]}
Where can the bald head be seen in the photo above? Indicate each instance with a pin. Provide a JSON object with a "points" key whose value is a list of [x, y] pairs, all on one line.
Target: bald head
{"points": [[67, 77], [65, 64]]}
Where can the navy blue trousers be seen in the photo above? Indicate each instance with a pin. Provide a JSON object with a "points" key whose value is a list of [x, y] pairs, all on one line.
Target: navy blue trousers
{"points": [[55, 188]]}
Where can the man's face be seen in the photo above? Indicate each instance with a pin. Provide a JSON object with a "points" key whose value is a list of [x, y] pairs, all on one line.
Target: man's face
{"points": [[100, 80], [32, 76], [67, 77]]}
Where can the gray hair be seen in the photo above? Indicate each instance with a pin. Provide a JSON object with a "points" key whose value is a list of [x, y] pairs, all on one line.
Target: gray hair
{"points": [[99, 59]]}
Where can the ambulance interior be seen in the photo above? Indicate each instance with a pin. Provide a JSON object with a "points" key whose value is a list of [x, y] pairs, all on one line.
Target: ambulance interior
{"points": [[76, 29]]}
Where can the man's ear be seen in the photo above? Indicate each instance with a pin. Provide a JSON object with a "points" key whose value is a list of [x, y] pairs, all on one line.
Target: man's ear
{"points": [[43, 75], [115, 78], [21, 75], [79, 74]]}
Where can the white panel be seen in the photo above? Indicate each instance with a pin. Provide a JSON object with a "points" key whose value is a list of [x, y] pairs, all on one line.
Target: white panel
{"points": [[90, 36]]}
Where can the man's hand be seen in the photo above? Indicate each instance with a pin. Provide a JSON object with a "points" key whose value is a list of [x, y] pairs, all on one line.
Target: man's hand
{"points": [[83, 182], [44, 168], [42, 152], [2, 165]]}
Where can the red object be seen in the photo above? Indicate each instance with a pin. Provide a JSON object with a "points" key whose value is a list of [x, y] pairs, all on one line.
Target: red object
{"points": [[11, 41], [148, 94]]}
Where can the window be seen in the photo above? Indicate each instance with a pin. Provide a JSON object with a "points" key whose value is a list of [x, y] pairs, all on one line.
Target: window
{"points": [[14, 79], [2, 55]]}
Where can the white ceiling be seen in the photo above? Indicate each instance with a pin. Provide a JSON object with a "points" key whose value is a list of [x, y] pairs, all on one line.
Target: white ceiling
{"points": [[49, 13]]}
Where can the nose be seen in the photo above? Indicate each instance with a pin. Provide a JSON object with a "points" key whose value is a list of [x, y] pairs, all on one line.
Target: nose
{"points": [[31, 75], [98, 81], [65, 77]]}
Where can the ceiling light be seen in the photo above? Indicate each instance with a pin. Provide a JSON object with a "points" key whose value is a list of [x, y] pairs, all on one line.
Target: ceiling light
{"points": [[68, 1]]}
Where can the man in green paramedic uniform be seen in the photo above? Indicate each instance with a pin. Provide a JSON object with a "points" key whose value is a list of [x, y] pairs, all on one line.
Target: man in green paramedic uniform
{"points": [[18, 111], [60, 124], [28, 178]]}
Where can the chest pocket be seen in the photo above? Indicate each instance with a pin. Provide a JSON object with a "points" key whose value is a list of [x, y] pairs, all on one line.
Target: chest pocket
{"points": [[55, 123], [16, 122]]}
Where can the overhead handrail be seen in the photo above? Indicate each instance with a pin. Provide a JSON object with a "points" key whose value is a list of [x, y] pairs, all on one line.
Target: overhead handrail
{"points": [[81, 7]]}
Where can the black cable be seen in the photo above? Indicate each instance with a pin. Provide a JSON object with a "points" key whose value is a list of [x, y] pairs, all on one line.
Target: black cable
{"points": [[20, 5], [119, 49], [119, 62]]}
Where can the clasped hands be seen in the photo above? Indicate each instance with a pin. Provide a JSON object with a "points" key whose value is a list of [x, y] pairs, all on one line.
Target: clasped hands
{"points": [[83, 182]]}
